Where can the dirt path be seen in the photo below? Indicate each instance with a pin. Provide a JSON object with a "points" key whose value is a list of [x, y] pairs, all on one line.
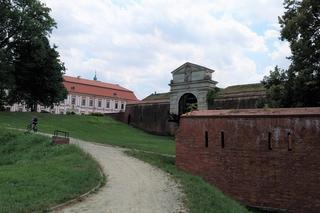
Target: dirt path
{"points": [[132, 185]]}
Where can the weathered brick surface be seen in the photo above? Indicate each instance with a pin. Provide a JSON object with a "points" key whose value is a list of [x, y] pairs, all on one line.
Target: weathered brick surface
{"points": [[150, 117], [246, 169]]}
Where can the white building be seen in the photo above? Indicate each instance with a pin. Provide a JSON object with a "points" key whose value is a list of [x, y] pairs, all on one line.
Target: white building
{"points": [[88, 96]]}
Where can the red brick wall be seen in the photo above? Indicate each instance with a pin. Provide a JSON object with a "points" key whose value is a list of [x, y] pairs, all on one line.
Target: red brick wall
{"points": [[152, 117], [246, 169]]}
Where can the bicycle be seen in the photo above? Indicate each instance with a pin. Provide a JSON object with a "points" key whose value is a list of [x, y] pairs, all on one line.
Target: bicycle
{"points": [[31, 127]]}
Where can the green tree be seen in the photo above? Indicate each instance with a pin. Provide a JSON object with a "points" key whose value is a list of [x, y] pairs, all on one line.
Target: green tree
{"points": [[37, 74], [274, 83], [26, 58], [22, 20], [211, 96], [300, 83], [5, 77]]}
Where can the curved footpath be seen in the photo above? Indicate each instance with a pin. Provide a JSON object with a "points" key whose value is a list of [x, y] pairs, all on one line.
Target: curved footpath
{"points": [[133, 186]]}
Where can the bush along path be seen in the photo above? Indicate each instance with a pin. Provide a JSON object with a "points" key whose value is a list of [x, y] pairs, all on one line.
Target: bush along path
{"points": [[132, 185]]}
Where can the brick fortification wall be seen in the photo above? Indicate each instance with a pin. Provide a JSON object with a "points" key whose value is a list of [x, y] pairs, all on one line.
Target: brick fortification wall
{"points": [[261, 157], [119, 116], [150, 116]]}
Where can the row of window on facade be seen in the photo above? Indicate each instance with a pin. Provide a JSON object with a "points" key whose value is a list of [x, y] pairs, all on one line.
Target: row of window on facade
{"points": [[91, 103]]}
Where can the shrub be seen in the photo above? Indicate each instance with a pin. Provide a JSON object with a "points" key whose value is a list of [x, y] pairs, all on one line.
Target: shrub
{"points": [[98, 114]]}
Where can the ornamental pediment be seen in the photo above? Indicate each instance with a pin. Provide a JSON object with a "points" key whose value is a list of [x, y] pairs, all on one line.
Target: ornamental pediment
{"points": [[190, 66], [191, 72]]}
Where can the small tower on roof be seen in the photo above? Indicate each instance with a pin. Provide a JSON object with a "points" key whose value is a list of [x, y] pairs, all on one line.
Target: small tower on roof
{"points": [[95, 76]]}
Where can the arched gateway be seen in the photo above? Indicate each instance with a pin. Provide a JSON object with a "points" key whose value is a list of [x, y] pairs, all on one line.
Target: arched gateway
{"points": [[189, 88], [187, 103]]}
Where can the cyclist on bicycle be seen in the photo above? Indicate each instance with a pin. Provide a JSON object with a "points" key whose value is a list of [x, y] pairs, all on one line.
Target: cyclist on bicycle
{"points": [[34, 124]]}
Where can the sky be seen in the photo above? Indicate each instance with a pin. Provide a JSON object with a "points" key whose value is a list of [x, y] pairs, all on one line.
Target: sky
{"points": [[138, 43]]}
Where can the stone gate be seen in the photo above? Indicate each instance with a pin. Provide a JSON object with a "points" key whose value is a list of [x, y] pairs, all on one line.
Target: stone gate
{"points": [[190, 85]]}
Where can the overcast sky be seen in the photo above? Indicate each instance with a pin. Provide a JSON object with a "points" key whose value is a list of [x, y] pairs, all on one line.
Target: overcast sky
{"points": [[137, 43]]}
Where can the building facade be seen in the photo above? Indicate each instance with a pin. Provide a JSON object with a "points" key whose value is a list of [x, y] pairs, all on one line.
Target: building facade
{"points": [[87, 96], [190, 85]]}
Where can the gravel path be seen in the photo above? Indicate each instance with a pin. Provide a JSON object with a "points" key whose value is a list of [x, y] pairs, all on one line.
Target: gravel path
{"points": [[132, 185]]}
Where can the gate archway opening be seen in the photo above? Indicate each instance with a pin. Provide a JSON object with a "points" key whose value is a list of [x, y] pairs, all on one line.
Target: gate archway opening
{"points": [[187, 103]]}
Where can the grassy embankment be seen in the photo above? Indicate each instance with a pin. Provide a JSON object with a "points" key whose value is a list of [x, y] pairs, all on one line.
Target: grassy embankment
{"points": [[200, 196], [35, 175], [95, 129]]}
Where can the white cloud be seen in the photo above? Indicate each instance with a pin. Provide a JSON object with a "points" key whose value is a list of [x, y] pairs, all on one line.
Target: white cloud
{"points": [[281, 50], [271, 34], [138, 43]]}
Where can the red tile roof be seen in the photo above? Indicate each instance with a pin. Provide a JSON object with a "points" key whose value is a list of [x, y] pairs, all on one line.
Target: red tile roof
{"points": [[97, 88]]}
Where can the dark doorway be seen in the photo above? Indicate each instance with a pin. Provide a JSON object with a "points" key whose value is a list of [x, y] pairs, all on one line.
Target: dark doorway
{"points": [[129, 119], [187, 103]]}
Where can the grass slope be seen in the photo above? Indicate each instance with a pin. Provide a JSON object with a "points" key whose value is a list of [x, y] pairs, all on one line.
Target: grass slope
{"points": [[91, 128], [35, 175], [158, 96], [243, 88], [200, 196]]}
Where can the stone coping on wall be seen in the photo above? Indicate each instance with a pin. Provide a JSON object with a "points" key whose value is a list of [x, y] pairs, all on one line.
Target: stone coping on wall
{"points": [[239, 98], [265, 112], [149, 102], [241, 94]]}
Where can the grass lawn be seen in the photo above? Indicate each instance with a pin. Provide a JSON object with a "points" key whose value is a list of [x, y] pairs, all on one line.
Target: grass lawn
{"points": [[201, 197], [35, 175], [92, 128]]}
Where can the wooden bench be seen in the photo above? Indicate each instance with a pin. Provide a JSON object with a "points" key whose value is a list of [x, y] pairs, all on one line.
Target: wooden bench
{"points": [[60, 137]]}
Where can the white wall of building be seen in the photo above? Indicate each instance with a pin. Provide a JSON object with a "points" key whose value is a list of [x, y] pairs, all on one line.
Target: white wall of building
{"points": [[80, 104]]}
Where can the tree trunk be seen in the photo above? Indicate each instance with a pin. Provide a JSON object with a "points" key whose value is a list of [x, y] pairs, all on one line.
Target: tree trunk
{"points": [[34, 107]]}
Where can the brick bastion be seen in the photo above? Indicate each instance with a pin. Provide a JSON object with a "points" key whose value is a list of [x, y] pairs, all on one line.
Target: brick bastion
{"points": [[266, 158]]}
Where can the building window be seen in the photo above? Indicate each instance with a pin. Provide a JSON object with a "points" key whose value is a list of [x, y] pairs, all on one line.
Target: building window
{"points": [[99, 103], [116, 105], [91, 103], [122, 106], [83, 103], [73, 100], [108, 104]]}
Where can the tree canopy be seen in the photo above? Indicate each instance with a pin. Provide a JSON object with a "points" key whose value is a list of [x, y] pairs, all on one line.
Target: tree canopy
{"points": [[299, 85], [22, 20], [37, 74], [30, 69]]}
